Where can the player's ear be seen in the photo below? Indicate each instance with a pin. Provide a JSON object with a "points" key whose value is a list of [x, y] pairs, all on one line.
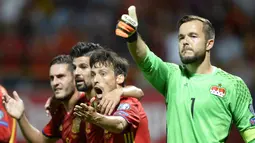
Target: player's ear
{"points": [[209, 44], [120, 79]]}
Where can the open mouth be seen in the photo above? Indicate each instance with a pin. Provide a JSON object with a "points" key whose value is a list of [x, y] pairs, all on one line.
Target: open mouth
{"points": [[99, 92]]}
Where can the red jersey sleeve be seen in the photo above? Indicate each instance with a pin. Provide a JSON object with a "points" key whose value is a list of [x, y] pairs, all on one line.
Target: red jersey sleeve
{"points": [[5, 123], [52, 129], [129, 110]]}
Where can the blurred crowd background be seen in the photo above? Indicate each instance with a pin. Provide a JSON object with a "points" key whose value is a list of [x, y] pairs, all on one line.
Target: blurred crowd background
{"points": [[32, 32]]}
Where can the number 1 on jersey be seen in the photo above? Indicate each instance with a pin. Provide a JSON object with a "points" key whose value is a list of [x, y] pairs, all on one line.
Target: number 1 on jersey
{"points": [[192, 106]]}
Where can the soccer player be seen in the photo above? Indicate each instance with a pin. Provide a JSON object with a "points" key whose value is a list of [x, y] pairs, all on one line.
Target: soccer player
{"points": [[82, 71], [63, 124], [202, 100], [7, 123], [128, 122]]}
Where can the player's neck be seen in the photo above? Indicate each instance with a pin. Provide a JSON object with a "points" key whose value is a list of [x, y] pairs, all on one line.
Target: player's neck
{"points": [[69, 104], [203, 67]]}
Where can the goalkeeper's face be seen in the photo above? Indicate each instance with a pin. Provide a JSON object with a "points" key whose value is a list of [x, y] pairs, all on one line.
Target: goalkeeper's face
{"points": [[82, 73], [192, 42], [62, 81]]}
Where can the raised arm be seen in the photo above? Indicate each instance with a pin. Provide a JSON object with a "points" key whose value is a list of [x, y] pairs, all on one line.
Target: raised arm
{"points": [[15, 108], [110, 100]]}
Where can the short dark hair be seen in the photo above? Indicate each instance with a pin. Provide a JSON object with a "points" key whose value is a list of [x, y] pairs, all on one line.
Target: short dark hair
{"points": [[207, 25], [62, 59], [84, 49], [107, 57]]}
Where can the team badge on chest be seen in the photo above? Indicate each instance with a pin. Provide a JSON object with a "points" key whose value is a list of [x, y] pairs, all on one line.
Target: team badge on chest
{"points": [[218, 90], [76, 125]]}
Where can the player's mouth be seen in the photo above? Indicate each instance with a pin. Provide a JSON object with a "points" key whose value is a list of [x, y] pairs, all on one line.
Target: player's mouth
{"points": [[98, 91], [57, 90], [79, 81]]}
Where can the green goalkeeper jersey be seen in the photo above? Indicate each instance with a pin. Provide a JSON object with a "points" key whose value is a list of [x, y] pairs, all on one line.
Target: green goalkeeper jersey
{"points": [[200, 107]]}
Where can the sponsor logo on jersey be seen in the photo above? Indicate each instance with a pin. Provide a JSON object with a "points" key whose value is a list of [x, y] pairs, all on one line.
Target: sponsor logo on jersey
{"points": [[124, 106], [218, 90], [252, 121], [1, 114]]}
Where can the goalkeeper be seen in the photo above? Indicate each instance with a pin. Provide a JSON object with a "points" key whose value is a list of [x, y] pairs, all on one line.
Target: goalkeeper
{"points": [[202, 100]]}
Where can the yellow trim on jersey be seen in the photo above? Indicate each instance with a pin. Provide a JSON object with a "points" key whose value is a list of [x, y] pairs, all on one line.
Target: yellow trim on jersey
{"points": [[129, 137], [248, 135], [133, 139], [13, 131], [125, 138]]}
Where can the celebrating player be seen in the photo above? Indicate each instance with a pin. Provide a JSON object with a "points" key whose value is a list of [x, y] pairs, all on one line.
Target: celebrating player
{"points": [[7, 123], [63, 124], [128, 122], [202, 100]]}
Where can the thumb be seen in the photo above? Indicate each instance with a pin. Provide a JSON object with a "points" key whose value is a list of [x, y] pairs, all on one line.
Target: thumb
{"points": [[16, 96], [132, 12]]}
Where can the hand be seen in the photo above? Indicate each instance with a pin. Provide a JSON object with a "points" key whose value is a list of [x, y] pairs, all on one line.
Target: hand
{"points": [[14, 106], [109, 101], [87, 113], [128, 24], [51, 106]]}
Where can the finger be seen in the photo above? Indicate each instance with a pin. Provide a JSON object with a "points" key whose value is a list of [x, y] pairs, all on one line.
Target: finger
{"points": [[104, 106], [84, 106], [47, 113], [6, 97], [108, 107], [47, 104], [132, 12], [77, 107], [101, 103], [112, 108], [77, 114], [16, 96]]}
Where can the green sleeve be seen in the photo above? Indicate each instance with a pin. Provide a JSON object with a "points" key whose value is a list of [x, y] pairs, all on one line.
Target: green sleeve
{"points": [[242, 110], [253, 141], [157, 72]]}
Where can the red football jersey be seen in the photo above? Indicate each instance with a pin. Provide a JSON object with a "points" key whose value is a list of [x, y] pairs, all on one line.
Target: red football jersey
{"points": [[137, 131], [66, 126], [7, 123]]}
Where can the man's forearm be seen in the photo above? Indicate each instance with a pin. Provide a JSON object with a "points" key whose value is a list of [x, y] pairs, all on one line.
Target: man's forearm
{"points": [[138, 49], [30, 133], [115, 124], [132, 91]]}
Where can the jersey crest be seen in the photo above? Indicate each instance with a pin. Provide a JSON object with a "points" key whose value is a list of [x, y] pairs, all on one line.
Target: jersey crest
{"points": [[87, 128], [107, 134], [218, 90], [76, 125]]}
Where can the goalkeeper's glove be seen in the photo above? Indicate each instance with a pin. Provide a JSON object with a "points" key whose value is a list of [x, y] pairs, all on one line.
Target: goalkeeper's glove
{"points": [[127, 25]]}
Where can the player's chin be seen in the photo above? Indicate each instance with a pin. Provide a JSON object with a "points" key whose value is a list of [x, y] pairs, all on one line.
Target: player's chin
{"points": [[188, 59], [60, 96], [80, 87]]}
